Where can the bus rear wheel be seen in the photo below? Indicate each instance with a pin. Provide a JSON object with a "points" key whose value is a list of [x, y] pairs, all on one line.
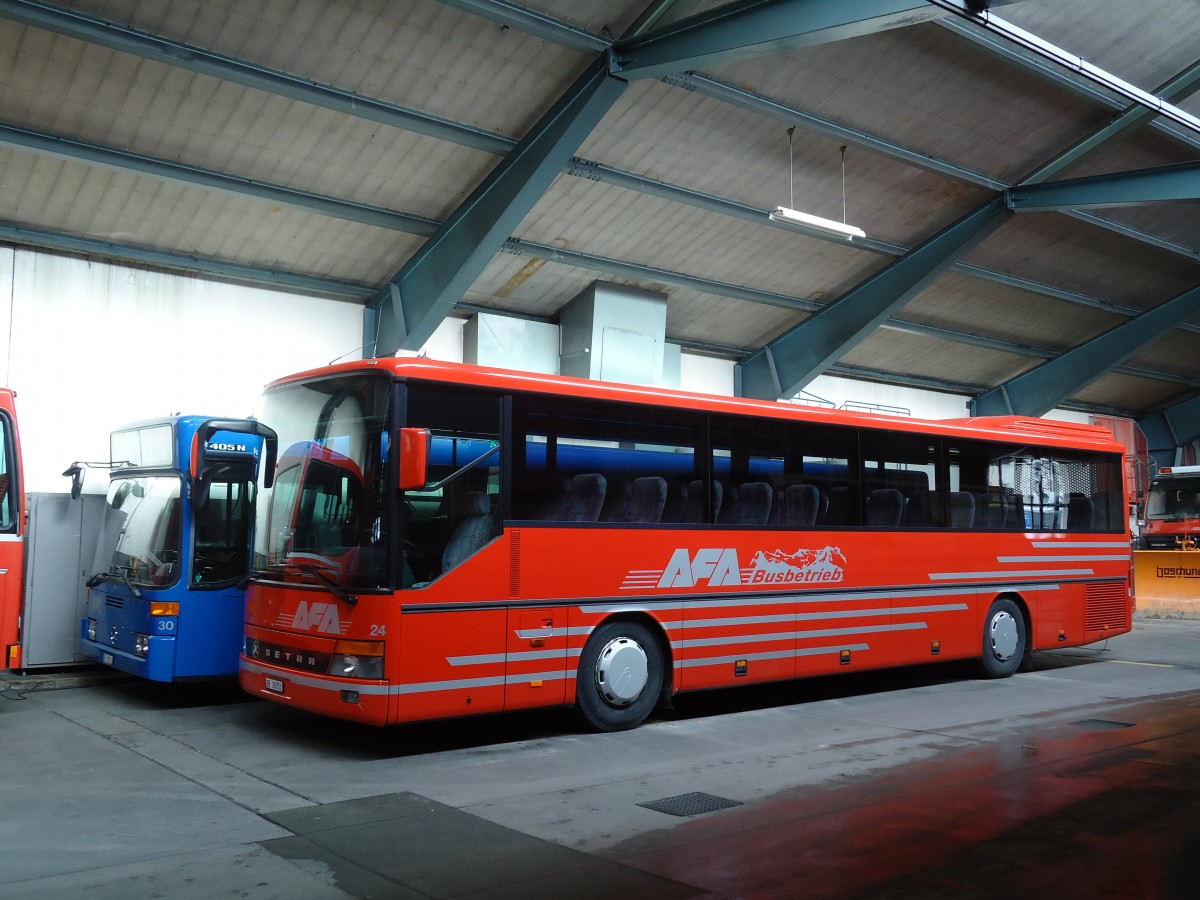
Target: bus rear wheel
{"points": [[1003, 639], [620, 677]]}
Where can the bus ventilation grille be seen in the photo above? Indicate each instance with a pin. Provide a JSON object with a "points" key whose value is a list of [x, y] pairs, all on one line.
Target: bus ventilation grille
{"points": [[114, 602], [514, 565], [1107, 606]]}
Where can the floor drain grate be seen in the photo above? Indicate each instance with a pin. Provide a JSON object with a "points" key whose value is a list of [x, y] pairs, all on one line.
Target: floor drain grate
{"points": [[1102, 723], [690, 804]]}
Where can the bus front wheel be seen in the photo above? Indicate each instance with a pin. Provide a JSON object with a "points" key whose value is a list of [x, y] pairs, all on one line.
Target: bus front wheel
{"points": [[1003, 639], [620, 677]]}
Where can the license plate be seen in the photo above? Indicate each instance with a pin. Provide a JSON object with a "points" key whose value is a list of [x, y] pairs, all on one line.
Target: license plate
{"points": [[275, 685], [108, 659]]}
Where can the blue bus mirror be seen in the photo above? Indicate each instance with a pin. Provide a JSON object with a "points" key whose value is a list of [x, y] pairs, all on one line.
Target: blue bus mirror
{"points": [[414, 458]]}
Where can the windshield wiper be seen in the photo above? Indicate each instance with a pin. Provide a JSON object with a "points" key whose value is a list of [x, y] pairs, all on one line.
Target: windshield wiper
{"points": [[334, 588], [100, 576]]}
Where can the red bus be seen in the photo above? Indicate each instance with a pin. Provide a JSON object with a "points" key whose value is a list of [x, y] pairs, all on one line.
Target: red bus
{"points": [[445, 540], [12, 533]]}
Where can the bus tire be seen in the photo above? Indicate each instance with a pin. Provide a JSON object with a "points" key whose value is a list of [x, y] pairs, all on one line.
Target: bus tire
{"points": [[620, 677], [1003, 639]]}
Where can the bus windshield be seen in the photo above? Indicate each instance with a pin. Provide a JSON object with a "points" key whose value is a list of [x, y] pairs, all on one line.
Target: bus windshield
{"points": [[327, 519], [144, 515]]}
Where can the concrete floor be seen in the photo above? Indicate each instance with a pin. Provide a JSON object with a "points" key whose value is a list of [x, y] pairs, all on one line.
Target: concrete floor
{"points": [[1078, 779]]}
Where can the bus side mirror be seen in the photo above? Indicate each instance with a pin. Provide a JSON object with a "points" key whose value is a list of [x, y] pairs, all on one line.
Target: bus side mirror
{"points": [[414, 458], [75, 473]]}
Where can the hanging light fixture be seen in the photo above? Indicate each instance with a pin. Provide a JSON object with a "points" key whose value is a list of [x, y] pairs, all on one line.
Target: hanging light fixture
{"points": [[788, 215]]}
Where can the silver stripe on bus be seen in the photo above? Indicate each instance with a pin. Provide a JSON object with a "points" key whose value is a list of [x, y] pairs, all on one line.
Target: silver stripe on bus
{"points": [[1037, 559], [527, 634], [801, 617], [1074, 545], [1031, 573], [430, 687], [787, 654], [523, 656], [858, 613], [796, 635]]}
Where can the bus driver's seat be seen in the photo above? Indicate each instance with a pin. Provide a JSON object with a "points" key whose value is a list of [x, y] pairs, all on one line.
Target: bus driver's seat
{"points": [[472, 530]]}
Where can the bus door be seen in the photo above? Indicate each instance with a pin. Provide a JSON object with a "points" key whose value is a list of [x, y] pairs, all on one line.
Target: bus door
{"points": [[12, 527], [217, 546]]}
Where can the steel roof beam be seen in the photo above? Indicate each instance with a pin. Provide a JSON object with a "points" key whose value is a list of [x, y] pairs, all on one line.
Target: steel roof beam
{"points": [[270, 278], [1170, 428], [405, 222], [790, 361], [420, 225], [1075, 66], [425, 290], [169, 52], [748, 28], [660, 12], [1062, 77], [128, 40], [1132, 188], [791, 115], [228, 68], [98, 154], [1135, 116], [174, 53], [1040, 390], [534, 23], [19, 234], [621, 269]]}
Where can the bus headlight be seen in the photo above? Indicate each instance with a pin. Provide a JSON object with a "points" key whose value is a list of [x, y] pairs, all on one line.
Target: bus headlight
{"points": [[91, 629], [357, 659], [141, 643]]}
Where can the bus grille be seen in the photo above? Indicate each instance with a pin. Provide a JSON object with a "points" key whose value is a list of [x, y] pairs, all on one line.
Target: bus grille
{"points": [[114, 602], [1106, 606]]}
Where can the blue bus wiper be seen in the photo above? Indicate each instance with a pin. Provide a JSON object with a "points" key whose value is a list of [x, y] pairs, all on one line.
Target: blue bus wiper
{"points": [[119, 570]]}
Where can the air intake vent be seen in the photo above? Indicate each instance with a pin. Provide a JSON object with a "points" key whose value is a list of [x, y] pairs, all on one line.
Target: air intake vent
{"points": [[514, 564], [114, 602], [1107, 606]]}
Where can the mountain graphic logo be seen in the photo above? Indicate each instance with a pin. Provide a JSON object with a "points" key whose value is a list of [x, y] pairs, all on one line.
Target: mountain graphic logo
{"points": [[801, 567]]}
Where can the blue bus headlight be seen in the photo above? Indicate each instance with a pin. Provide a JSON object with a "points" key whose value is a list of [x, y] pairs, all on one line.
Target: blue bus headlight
{"points": [[141, 644], [357, 659]]}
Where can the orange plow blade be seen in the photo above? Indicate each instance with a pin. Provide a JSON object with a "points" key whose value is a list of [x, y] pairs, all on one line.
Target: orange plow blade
{"points": [[1167, 582]]}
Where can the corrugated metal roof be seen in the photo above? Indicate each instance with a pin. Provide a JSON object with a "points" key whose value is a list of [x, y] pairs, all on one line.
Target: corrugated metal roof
{"points": [[399, 109]]}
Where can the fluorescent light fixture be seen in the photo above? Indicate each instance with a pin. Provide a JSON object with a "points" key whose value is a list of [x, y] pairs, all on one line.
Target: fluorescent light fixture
{"points": [[795, 217]]}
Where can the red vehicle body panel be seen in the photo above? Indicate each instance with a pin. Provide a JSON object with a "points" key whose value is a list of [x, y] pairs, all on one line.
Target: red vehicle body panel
{"points": [[12, 540]]}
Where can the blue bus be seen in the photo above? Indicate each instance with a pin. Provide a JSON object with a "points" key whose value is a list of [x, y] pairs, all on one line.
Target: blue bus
{"points": [[165, 601]]}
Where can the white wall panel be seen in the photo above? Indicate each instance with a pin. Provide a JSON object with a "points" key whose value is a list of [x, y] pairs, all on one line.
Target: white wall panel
{"points": [[91, 346]]}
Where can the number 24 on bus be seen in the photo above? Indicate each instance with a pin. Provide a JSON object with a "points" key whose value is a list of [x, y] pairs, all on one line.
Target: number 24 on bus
{"points": [[444, 540]]}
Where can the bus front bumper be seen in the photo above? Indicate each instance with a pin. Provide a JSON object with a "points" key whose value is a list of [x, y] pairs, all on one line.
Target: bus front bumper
{"points": [[358, 701], [157, 665]]}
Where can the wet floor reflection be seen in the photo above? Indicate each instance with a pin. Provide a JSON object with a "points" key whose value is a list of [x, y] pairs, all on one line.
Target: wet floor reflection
{"points": [[1098, 807]]}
